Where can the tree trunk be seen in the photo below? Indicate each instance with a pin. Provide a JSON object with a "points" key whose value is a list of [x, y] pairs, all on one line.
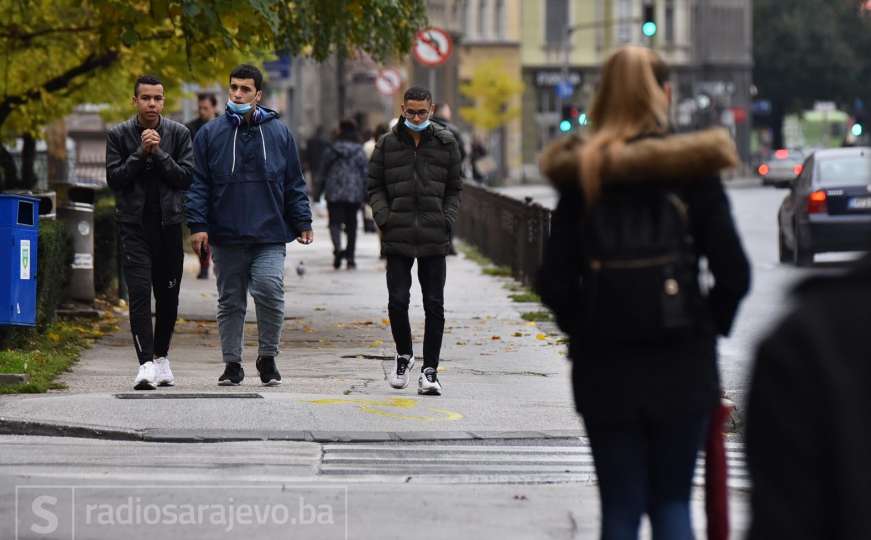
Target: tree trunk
{"points": [[56, 148], [8, 170], [28, 159]]}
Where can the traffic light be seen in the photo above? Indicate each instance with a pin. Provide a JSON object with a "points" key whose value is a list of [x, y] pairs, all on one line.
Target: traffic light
{"points": [[570, 118], [858, 129], [648, 20]]}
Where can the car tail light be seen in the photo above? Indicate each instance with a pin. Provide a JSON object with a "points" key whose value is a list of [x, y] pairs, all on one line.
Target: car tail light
{"points": [[763, 169], [797, 169], [782, 154], [816, 203]]}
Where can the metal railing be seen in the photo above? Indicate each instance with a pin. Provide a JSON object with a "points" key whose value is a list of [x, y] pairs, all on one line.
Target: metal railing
{"points": [[508, 231]]}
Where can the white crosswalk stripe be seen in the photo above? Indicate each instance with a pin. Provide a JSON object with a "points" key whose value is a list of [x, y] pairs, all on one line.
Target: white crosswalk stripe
{"points": [[570, 462]]}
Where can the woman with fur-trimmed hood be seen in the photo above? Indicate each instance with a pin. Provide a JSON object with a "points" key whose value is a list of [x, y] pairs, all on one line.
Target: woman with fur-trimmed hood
{"points": [[645, 403]]}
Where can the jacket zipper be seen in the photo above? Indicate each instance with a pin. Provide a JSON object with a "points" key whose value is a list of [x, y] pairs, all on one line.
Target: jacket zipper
{"points": [[416, 201]]}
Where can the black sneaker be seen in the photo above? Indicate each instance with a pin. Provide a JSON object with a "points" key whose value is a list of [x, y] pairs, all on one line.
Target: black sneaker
{"points": [[352, 265], [337, 259], [269, 374], [233, 374], [204, 274]]}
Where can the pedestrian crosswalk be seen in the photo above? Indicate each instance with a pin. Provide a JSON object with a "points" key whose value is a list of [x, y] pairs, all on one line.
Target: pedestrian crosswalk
{"points": [[566, 461]]}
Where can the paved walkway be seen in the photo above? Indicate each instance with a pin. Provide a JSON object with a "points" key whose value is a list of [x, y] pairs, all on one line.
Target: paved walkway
{"points": [[500, 373]]}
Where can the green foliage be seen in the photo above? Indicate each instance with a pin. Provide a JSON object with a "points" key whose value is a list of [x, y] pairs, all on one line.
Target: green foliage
{"points": [[537, 316], [526, 297], [808, 50], [57, 54], [55, 257], [499, 271], [105, 246], [492, 90], [45, 355]]}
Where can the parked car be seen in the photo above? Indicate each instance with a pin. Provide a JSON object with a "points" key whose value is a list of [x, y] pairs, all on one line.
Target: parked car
{"points": [[828, 207], [785, 164]]}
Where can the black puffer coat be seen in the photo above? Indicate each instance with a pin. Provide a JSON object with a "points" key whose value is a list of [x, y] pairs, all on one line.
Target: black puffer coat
{"points": [[415, 191]]}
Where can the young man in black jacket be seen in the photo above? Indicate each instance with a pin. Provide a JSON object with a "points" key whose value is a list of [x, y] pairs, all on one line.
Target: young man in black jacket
{"points": [[149, 163], [414, 191]]}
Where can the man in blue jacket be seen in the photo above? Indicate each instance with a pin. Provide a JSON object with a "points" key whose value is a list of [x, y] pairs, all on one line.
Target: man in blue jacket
{"points": [[247, 201]]}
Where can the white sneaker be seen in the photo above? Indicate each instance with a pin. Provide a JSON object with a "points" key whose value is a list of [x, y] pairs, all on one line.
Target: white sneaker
{"points": [[428, 384], [399, 377], [146, 378], [164, 373]]}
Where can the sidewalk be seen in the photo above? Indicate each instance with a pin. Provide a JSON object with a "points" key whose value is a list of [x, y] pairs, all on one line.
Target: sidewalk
{"points": [[501, 375]]}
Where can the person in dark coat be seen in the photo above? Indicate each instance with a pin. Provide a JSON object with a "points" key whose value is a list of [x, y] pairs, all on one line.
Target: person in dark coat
{"points": [[645, 405], [808, 416], [344, 177], [206, 112], [414, 191]]}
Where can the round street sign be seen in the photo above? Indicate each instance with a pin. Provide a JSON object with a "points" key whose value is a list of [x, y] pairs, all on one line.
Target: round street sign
{"points": [[388, 82], [433, 46]]}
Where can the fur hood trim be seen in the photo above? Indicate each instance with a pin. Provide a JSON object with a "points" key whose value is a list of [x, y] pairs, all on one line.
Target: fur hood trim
{"points": [[682, 157]]}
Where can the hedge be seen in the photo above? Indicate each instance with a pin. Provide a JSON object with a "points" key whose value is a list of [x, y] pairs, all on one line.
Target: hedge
{"points": [[105, 245]]}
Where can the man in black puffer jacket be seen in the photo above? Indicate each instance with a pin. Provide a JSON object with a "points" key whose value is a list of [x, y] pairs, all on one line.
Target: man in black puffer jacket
{"points": [[414, 191]]}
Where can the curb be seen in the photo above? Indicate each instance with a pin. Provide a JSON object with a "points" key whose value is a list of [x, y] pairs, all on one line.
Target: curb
{"points": [[10, 426]]}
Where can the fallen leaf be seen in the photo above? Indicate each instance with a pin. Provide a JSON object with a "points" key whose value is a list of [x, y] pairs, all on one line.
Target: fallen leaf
{"points": [[530, 323], [375, 344], [518, 334], [385, 322], [541, 337], [494, 338]]}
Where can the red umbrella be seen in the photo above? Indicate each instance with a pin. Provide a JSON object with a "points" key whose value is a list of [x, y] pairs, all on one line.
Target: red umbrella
{"points": [[716, 474]]}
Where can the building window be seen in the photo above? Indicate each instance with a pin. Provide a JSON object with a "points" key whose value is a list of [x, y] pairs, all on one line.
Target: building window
{"points": [[624, 29], [499, 18], [556, 20], [482, 19], [669, 22]]}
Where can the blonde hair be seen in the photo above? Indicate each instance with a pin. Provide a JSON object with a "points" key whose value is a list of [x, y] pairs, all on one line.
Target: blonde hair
{"points": [[629, 102]]}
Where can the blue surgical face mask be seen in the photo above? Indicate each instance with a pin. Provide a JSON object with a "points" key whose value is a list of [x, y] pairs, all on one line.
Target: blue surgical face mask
{"points": [[417, 127], [239, 108]]}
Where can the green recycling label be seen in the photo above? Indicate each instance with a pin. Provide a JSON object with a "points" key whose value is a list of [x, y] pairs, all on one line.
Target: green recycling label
{"points": [[25, 259]]}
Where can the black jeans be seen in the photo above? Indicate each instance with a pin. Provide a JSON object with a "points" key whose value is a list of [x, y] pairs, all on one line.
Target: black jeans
{"points": [[343, 214], [153, 258], [431, 272]]}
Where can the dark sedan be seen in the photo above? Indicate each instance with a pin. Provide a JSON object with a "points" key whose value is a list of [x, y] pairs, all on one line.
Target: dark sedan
{"points": [[828, 207]]}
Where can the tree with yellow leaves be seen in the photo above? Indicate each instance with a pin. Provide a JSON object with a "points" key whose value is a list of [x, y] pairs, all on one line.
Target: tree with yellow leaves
{"points": [[56, 54], [492, 91]]}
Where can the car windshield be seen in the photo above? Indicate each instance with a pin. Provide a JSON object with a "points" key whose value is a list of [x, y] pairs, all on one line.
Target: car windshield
{"points": [[846, 171]]}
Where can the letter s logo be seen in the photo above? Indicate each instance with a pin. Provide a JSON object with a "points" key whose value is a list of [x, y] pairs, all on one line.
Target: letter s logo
{"points": [[41, 512]]}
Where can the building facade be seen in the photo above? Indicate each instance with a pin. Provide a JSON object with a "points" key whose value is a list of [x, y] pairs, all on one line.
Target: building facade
{"points": [[707, 43]]}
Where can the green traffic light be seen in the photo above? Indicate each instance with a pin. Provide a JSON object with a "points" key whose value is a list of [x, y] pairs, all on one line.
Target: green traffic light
{"points": [[582, 119], [857, 130], [565, 125], [649, 29]]}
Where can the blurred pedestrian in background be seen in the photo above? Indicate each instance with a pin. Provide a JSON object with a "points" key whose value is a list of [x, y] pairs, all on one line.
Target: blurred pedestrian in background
{"points": [[343, 178], [206, 112], [638, 207], [809, 415]]}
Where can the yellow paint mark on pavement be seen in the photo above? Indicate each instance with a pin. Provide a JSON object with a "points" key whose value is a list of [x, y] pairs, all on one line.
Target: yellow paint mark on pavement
{"points": [[393, 408]]}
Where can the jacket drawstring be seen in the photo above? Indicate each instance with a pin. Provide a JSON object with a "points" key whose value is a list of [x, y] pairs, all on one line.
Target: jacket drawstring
{"points": [[263, 141], [233, 169]]}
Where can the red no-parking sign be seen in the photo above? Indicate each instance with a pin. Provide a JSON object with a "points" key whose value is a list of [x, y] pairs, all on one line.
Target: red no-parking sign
{"points": [[433, 46]]}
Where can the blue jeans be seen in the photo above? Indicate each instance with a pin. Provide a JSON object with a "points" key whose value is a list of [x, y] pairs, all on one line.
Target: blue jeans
{"points": [[646, 466], [249, 268]]}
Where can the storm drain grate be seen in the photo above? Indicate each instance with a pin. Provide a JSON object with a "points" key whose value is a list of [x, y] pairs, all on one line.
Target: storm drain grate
{"points": [[180, 395]]}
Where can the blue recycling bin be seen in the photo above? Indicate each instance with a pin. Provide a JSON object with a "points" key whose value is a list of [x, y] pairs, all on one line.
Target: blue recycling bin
{"points": [[19, 236]]}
